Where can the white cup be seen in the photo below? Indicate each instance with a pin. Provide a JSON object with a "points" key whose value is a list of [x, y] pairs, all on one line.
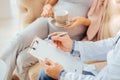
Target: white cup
{"points": [[61, 16]]}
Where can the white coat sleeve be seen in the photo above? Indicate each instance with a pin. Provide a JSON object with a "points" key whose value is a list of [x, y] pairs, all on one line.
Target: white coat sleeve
{"points": [[89, 50], [112, 70], [75, 76]]}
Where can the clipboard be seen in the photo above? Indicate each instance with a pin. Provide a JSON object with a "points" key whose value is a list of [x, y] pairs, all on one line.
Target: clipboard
{"points": [[42, 49]]}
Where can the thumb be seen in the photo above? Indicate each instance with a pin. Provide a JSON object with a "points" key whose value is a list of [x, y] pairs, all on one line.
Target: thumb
{"points": [[48, 61]]}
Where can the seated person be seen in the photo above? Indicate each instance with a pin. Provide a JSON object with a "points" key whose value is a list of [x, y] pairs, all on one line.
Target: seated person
{"points": [[16, 54], [108, 49], [105, 47], [74, 8]]}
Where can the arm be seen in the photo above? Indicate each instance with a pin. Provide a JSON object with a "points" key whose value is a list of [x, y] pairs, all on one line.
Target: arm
{"points": [[95, 50], [86, 50], [51, 2], [86, 22], [110, 72], [79, 21], [89, 50], [57, 72]]}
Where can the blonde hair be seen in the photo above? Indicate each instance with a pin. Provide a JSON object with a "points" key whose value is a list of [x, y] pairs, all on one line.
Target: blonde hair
{"points": [[114, 17]]}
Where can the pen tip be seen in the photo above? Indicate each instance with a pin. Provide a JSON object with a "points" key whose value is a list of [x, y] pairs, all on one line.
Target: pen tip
{"points": [[49, 38]]}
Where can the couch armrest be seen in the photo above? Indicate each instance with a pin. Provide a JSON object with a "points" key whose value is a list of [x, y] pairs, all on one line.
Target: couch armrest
{"points": [[29, 10]]}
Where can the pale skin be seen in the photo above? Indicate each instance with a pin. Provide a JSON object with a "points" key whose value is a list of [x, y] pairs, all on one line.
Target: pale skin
{"points": [[52, 69], [48, 8], [78, 21], [64, 43]]}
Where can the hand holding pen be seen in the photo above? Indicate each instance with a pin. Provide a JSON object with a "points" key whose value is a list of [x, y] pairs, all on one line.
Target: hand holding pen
{"points": [[57, 35], [62, 40]]}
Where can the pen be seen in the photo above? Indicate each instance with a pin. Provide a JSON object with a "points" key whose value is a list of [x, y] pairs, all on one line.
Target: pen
{"points": [[59, 35]]}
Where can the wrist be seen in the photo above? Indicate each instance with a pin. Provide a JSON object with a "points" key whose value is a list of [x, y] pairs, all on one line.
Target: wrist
{"points": [[62, 74], [47, 6], [73, 46]]}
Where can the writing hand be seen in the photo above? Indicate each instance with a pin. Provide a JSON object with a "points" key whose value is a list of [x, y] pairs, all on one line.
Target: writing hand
{"points": [[62, 42]]}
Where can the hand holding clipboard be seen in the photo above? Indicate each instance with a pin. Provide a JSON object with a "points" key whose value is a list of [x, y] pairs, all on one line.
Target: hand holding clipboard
{"points": [[42, 50]]}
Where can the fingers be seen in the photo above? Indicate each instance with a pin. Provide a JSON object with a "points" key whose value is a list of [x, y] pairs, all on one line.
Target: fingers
{"points": [[50, 14], [48, 61], [47, 11], [45, 65], [69, 27], [54, 43], [60, 39], [47, 14], [54, 34], [72, 23], [44, 13]]}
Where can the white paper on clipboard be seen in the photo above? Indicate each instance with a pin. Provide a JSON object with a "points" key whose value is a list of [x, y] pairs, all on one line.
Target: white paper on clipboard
{"points": [[42, 49]]}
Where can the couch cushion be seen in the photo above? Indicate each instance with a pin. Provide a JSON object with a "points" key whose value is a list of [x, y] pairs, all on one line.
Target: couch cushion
{"points": [[29, 10]]}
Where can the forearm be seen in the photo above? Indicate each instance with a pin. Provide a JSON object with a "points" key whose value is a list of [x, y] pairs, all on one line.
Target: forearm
{"points": [[51, 2], [93, 50]]}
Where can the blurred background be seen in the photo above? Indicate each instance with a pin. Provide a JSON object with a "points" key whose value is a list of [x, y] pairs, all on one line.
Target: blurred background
{"points": [[8, 21]]}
